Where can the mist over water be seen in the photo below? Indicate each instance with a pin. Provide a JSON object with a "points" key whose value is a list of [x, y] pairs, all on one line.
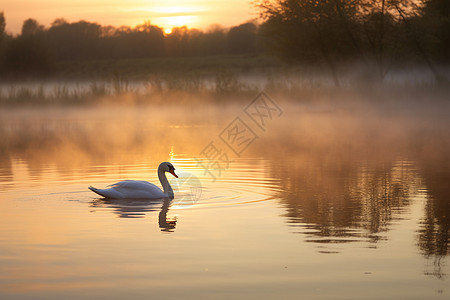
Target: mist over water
{"points": [[335, 182]]}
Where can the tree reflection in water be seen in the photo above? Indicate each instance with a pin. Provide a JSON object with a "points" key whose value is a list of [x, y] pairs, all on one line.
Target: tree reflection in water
{"points": [[346, 202], [433, 235], [338, 200]]}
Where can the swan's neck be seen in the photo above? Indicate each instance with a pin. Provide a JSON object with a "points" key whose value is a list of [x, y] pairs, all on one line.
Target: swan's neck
{"points": [[165, 184]]}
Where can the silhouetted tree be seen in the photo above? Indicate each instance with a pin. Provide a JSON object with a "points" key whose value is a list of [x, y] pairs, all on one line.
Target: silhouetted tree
{"points": [[2, 36], [409, 14], [376, 23], [28, 54], [436, 17], [2, 24], [383, 39], [177, 41], [311, 31], [213, 41], [31, 27], [145, 40], [190, 42], [74, 41], [242, 39]]}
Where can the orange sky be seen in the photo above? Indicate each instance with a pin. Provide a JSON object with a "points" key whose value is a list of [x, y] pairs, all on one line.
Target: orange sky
{"points": [[167, 13]]}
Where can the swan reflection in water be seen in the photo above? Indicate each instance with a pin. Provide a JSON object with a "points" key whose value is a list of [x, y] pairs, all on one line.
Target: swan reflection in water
{"points": [[132, 208], [133, 198]]}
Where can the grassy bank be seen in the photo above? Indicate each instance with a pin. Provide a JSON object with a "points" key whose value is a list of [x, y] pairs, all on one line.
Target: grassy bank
{"points": [[141, 69], [212, 79]]}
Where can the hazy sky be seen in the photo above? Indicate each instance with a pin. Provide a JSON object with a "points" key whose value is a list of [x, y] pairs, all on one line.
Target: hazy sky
{"points": [[167, 13]]}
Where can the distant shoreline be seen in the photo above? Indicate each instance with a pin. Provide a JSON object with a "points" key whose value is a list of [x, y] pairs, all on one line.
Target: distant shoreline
{"points": [[142, 68], [215, 80]]}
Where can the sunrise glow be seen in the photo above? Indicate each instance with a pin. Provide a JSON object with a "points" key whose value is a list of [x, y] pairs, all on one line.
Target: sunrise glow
{"points": [[169, 16], [166, 14], [176, 21]]}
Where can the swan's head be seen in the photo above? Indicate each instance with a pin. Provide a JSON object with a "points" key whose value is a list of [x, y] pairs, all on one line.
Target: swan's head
{"points": [[167, 167]]}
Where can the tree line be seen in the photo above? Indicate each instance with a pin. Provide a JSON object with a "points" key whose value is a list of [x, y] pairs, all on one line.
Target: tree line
{"points": [[384, 33], [36, 49], [381, 32]]}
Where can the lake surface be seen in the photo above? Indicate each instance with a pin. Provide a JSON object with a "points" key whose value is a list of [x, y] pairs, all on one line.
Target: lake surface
{"points": [[303, 201]]}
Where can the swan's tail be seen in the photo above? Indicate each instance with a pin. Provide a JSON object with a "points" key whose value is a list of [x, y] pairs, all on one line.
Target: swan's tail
{"points": [[97, 191], [107, 193]]}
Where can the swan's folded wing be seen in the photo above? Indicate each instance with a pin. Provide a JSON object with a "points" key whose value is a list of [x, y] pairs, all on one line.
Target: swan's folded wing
{"points": [[138, 189], [133, 184]]}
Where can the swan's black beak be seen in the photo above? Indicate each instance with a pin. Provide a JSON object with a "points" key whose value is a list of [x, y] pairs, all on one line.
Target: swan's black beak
{"points": [[173, 173]]}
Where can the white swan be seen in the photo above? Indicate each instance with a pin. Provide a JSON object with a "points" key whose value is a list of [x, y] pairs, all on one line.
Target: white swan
{"points": [[135, 189]]}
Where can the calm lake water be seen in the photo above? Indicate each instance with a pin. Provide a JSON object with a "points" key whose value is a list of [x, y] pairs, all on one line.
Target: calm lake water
{"points": [[301, 201]]}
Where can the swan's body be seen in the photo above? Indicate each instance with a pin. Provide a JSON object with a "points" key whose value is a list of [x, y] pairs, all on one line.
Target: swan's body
{"points": [[136, 189]]}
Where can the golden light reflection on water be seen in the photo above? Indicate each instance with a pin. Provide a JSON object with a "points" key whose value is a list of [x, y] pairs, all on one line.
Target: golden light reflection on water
{"points": [[335, 183], [359, 183]]}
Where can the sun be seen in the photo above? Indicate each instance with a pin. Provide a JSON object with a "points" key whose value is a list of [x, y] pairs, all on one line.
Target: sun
{"points": [[170, 16], [170, 22]]}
